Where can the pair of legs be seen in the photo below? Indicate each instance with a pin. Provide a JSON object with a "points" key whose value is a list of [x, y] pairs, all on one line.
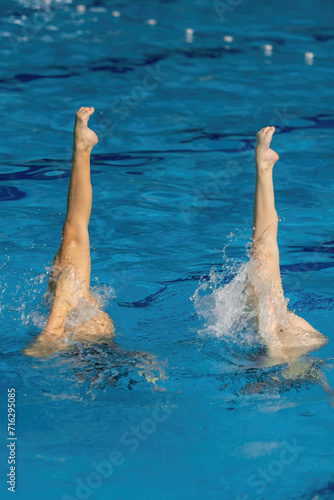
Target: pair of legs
{"points": [[70, 275], [286, 335]]}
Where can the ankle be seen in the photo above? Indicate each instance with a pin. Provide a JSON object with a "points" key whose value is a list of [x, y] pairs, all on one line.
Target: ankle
{"points": [[263, 167], [80, 148]]}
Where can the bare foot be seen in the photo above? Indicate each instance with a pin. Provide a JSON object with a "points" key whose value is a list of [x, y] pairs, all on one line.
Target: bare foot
{"points": [[265, 157], [84, 138]]}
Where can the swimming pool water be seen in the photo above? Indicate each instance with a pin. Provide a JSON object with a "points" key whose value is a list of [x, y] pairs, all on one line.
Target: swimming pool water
{"points": [[171, 412]]}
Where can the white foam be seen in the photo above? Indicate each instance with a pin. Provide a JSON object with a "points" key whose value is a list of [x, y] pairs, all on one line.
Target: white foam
{"points": [[224, 306]]}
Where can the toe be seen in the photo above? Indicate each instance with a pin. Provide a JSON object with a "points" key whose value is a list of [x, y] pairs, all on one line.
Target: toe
{"points": [[84, 115], [84, 109], [87, 112]]}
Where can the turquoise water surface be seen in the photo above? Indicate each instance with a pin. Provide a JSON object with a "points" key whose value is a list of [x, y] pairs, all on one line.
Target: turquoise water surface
{"points": [[174, 410]]}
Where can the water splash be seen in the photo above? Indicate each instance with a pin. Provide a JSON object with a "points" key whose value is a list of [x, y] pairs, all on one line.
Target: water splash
{"points": [[245, 306], [29, 302], [86, 310], [222, 303]]}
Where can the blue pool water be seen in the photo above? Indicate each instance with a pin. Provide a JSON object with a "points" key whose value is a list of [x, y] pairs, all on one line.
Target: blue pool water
{"points": [[173, 411]]}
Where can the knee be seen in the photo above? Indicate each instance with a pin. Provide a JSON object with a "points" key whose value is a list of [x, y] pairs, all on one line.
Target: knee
{"points": [[74, 233]]}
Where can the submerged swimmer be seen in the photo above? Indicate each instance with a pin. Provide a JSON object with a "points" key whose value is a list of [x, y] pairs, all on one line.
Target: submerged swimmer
{"points": [[69, 281], [286, 335]]}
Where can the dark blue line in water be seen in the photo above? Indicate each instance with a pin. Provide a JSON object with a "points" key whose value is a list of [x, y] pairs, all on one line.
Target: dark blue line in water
{"points": [[146, 301], [319, 494], [145, 160], [110, 64], [307, 266], [26, 78], [326, 122], [37, 173], [319, 37], [323, 248], [200, 277], [213, 53], [285, 268], [11, 193]]}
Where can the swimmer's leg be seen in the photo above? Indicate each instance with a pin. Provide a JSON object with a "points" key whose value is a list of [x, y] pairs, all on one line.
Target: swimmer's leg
{"points": [[287, 335], [74, 249], [70, 276], [265, 221], [264, 287]]}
